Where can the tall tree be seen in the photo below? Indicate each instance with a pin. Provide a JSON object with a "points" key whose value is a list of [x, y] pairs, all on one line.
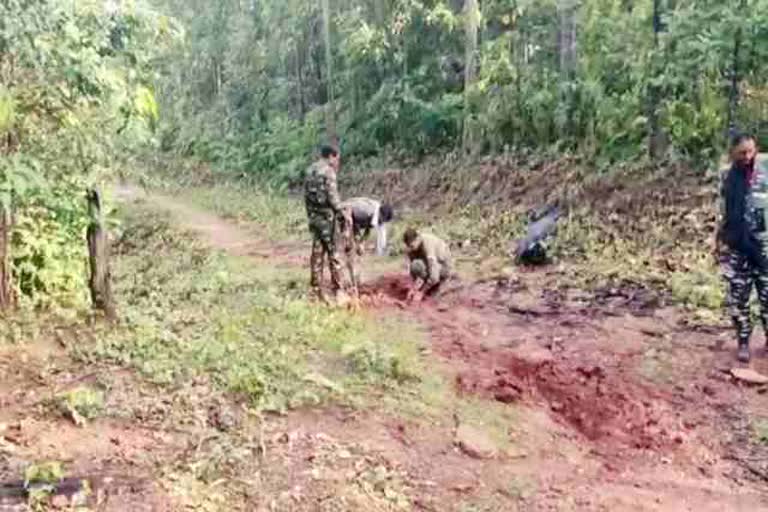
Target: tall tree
{"points": [[471, 24], [733, 94], [566, 37], [330, 112], [656, 136], [566, 48]]}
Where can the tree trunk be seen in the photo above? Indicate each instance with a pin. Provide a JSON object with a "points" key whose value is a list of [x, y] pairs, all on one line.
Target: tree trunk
{"points": [[300, 79], [330, 111], [520, 45], [566, 46], [656, 136], [112, 7], [566, 37], [733, 94], [6, 226], [471, 22], [98, 252], [379, 12], [380, 19]]}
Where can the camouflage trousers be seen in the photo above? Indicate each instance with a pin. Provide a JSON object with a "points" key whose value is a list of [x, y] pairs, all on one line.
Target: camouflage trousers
{"points": [[419, 272], [323, 230], [352, 242], [741, 276]]}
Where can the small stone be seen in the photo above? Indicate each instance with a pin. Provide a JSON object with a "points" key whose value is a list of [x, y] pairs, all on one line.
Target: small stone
{"points": [[222, 417], [533, 353], [463, 488], [507, 395], [474, 443], [749, 376], [516, 454], [60, 502]]}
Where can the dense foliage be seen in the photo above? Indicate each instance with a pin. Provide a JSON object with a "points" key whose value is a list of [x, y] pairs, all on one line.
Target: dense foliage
{"points": [[75, 89], [250, 88], [254, 86]]}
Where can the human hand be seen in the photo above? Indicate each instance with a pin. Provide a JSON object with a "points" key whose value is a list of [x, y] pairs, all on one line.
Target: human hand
{"points": [[414, 296]]}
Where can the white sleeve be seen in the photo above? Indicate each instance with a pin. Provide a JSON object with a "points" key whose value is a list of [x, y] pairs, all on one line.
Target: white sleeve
{"points": [[381, 239], [375, 217]]}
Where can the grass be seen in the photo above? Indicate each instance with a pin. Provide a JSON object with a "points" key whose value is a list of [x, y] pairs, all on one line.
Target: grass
{"points": [[592, 254], [760, 428], [81, 404], [279, 216], [190, 311], [657, 237], [41, 480]]}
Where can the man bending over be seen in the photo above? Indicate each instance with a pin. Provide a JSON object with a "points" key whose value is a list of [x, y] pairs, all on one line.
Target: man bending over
{"points": [[430, 263]]}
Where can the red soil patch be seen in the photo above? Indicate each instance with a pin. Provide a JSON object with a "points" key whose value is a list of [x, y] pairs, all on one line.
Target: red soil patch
{"points": [[507, 358]]}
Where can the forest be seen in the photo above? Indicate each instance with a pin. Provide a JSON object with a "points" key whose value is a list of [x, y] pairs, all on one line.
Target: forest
{"points": [[261, 82], [253, 88], [605, 379]]}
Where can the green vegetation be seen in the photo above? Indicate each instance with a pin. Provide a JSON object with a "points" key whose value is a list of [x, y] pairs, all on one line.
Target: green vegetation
{"points": [[760, 428], [41, 480], [240, 93], [196, 312], [465, 114], [81, 404], [75, 94], [251, 88], [279, 216]]}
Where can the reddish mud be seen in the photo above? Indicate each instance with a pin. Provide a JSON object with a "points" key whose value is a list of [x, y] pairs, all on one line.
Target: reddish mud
{"points": [[620, 408], [508, 352]]}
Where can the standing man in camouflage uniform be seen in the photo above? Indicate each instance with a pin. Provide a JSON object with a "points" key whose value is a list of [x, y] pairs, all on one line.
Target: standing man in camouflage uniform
{"points": [[429, 260], [321, 198], [744, 233]]}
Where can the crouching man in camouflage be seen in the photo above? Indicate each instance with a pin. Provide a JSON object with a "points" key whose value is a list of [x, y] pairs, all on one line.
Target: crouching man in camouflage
{"points": [[321, 198], [430, 263], [744, 233]]}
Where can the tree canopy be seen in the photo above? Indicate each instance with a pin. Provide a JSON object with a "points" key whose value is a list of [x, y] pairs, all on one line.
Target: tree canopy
{"points": [[249, 85]]}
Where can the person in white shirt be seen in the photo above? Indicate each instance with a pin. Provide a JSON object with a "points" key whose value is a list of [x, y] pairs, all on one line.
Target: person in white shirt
{"points": [[360, 215], [367, 214]]}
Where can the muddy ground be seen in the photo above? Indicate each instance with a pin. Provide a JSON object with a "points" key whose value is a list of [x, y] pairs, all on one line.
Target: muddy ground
{"points": [[610, 400]]}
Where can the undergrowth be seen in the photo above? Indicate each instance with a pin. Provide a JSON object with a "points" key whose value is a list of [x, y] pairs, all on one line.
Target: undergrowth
{"points": [[279, 216], [625, 228], [187, 310]]}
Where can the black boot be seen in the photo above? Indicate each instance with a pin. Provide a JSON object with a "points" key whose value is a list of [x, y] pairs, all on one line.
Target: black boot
{"points": [[743, 354]]}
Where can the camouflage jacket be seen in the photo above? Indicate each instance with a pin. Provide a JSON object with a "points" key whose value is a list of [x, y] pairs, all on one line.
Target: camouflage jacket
{"points": [[321, 194], [435, 254]]}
